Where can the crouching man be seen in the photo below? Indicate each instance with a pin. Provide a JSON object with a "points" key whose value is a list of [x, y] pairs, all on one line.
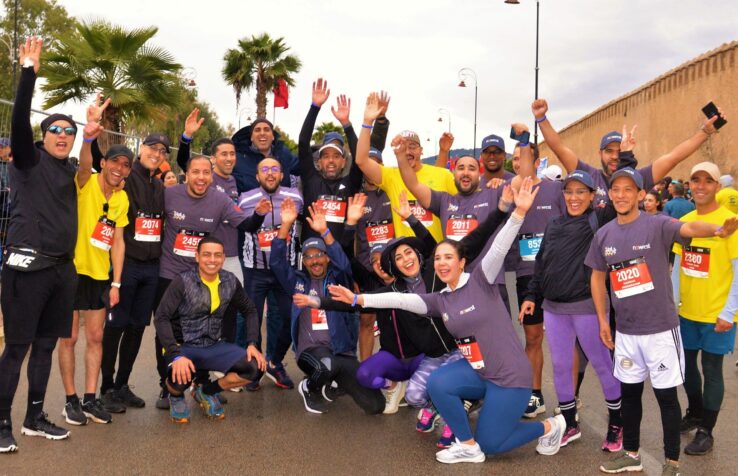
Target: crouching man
{"points": [[189, 322]]}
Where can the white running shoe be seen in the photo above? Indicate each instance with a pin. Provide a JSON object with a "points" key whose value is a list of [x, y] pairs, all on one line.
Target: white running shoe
{"points": [[549, 443], [461, 453], [392, 397]]}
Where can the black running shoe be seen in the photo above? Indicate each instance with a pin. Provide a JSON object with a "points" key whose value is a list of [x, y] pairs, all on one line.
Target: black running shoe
{"points": [[95, 411], [162, 403], [73, 413], [129, 398], [7, 442], [701, 445], [314, 402], [689, 422], [41, 426], [112, 402]]}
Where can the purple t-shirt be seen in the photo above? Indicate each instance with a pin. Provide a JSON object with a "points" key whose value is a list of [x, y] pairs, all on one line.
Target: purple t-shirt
{"points": [[636, 257], [375, 225], [257, 246], [549, 203], [187, 221], [457, 212], [602, 182], [476, 317], [312, 326], [225, 232]]}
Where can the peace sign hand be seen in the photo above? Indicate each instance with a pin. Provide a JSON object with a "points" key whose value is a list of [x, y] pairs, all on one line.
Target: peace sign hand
{"points": [[95, 110]]}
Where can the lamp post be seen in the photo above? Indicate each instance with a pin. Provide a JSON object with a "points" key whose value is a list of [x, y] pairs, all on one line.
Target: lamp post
{"points": [[249, 111], [465, 74], [538, 11], [441, 112]]}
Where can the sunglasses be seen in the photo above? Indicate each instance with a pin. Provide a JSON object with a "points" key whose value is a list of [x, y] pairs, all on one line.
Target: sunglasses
{"points": [[313, 256], [56, 130], [275, 169]]}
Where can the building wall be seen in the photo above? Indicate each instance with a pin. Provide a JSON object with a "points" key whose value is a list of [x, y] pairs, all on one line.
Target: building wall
{"points": [[667, 111]]}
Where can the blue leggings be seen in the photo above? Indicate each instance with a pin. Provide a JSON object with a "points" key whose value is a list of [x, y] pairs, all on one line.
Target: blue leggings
{"points": [[382, 366], [499, 428]]}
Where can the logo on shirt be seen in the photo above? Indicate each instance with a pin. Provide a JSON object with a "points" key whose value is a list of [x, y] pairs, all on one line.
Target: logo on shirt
{"points": [[313, 292], [219, 188], [207, 220], [610, 251], [178, 216], [480, 205], [467, 310], [544, 207], [367, 210], [452, 207], [300, 288], [662, 367], [647, 246], [601, 191], [626, 363], [444, 316]]}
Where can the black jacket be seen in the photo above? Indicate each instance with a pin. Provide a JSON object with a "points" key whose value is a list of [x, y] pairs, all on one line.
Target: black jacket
{"points": [[184, 312], [42, 191]]}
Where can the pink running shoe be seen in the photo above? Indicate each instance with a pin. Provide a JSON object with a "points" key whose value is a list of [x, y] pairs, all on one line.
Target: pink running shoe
{"points": [[572, 433], [614, 440], [447, 437], [427, 419]]}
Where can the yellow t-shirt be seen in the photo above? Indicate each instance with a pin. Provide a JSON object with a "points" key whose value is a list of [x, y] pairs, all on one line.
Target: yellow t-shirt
{"points": [[728, 198], [214, 295], [89, 257], [702, 298], [434, 177]]}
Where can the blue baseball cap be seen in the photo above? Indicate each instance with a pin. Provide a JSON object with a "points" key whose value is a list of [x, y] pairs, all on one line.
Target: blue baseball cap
{"points": [[493, 140], [582, 177], [333, 136], [378, 248], [373, 152], [630, 173], [609, 138], [316, 243]]}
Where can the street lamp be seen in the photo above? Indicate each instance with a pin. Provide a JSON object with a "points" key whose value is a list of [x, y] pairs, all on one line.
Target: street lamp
{"points": [[538, 11], [441, 112], [465, 74], [245, 110]]}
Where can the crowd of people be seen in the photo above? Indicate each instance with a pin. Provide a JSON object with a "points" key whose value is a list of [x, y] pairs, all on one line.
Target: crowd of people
{"points": [[331, 243]]}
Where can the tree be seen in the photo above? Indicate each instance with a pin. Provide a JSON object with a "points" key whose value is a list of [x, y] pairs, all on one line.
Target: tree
{"points": [[284, 137], [324, 129], [44, 18], [140, 79], [259, 62]]}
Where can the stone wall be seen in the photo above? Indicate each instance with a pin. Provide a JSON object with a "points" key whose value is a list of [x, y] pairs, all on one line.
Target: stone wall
{"points": [[668, 111]]}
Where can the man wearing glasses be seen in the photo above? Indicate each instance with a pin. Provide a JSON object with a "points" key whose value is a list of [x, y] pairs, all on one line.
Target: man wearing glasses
{"points": [[38, 276], [260, 278], [493, 158]]}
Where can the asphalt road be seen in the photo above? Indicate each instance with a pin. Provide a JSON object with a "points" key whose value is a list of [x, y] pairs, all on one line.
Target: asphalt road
{"points": [[269, 432]]}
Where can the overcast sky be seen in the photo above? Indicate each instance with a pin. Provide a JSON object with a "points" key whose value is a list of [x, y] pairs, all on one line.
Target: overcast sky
{"points": [[590, 52]]}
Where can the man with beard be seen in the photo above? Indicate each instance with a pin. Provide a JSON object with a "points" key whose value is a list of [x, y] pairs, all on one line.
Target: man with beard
{"points": [[493, 158], [102, 208], [260, 278]]}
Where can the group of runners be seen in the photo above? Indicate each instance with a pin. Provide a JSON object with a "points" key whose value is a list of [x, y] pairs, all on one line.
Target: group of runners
{"points": [[329, 242]]}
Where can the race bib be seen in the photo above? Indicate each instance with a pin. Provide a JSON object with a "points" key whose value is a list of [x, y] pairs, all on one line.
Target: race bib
{"points": [[696, 261], [266, 235], [458, 226], [424, 216], [318, 319], [630, 278], [333, 207], [379, 232], [529, 244], [102, 235], [185, 244], [470, 350], [147, 227]]}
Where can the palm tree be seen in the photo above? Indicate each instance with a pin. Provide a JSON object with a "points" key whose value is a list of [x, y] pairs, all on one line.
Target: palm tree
{"points": [[259, 62], [140, 79]]}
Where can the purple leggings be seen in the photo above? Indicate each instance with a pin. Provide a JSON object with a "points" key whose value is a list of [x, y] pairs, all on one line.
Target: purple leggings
{"points": [[562, 330], [382, 366]]}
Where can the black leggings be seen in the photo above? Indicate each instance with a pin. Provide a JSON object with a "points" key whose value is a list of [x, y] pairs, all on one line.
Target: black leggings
{"points": [[705, 403], [246, 370], [632, 411], [123, 344], [39, 367], [322, 367]]}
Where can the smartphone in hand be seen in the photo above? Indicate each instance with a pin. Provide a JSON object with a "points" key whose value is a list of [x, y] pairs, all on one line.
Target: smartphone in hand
{"points": [[711, 110], [524, 137]]}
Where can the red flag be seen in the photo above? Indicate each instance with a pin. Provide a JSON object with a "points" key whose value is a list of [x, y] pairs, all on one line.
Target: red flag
{"points": [[281, 94]]}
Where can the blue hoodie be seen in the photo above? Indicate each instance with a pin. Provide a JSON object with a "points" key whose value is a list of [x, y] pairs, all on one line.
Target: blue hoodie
{"points": [[248, 157]]}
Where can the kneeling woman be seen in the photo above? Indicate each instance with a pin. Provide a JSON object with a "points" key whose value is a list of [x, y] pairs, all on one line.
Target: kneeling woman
{"points": [[496, 368]]}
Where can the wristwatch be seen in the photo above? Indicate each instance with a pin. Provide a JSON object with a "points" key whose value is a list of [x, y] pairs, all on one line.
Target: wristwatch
{"points": [[28, 63]]}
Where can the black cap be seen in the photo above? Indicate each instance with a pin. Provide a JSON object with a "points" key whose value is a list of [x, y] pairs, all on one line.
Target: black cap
{"points": [[56, 117], [156, 138], [117, 150]]}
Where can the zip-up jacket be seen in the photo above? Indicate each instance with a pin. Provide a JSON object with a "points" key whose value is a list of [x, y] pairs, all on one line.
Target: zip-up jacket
{"points": [[248, 157]]}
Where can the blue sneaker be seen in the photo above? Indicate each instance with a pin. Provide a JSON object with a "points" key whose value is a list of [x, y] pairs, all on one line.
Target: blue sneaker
{"points": [[427, 418], [178, 409], [255, 385], [279, 376], [209, 404]]}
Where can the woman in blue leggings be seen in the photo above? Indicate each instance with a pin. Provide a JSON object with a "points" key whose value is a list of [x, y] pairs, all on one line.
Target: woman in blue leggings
{"points": [[495, 368]]}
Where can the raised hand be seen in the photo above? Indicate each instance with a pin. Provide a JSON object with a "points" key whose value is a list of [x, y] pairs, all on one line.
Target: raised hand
{"points": [[628, 142], [539, 108], [341, 294], [355, 209], [709, 125], [342, 110], [519, 128], [320, 92], [373, 109], [95, 110], [263, 207], [404, 209], [525, 196], [446, 141], [317, 220], [92, 131], [506, 199], [384, 100], [399, 145], [193, 123], [288, 213], [31, 50]]}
